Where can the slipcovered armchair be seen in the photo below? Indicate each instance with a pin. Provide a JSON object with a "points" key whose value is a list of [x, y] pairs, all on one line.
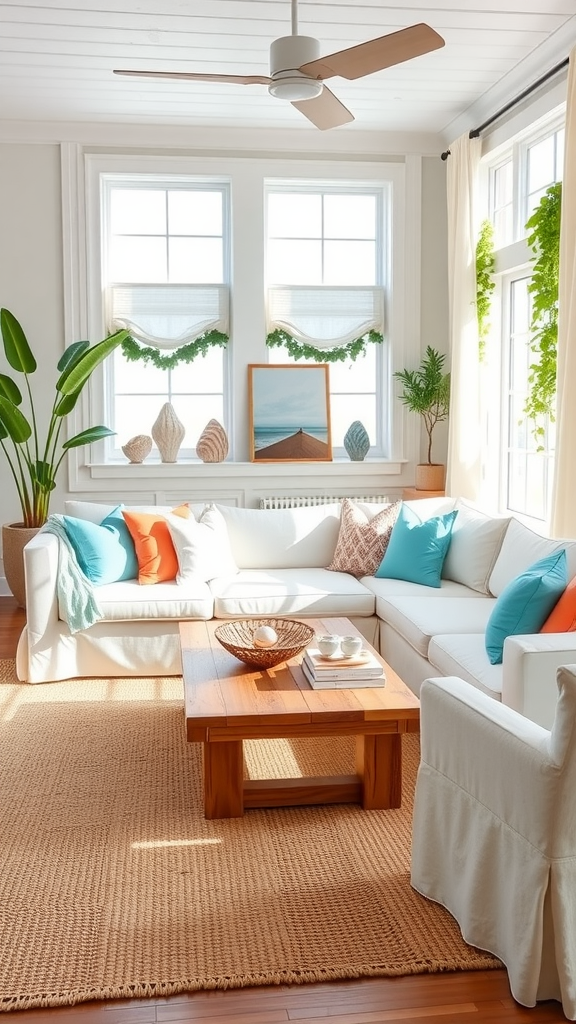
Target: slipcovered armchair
{"points": [[494, 837]]}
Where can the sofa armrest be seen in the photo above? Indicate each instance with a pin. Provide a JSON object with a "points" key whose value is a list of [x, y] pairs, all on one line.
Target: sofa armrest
{"points": [[41, 573], [529, 669]]}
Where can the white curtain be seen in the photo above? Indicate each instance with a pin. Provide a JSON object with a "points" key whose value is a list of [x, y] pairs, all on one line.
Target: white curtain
{"points": [[325, 316], [463, 472], [167, 316], [564, 492]]}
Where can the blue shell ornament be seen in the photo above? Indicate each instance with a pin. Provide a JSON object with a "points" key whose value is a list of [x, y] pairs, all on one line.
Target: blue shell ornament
{"points": [[356, 441]]}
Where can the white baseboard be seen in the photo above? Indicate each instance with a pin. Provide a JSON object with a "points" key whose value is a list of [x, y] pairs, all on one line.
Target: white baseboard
{"points": [[4, 588]]}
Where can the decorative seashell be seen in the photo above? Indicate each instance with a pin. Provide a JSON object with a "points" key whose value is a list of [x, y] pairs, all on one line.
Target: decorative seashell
{"points": [[356, 441], [168, 433], [213, 443], [138, 447]]}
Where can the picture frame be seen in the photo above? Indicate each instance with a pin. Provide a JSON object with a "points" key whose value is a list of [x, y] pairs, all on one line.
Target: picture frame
{"points": [[289, 408]]}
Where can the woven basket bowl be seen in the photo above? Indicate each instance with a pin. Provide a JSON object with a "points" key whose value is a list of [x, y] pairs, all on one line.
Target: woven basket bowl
{"points": [[236, 637]]}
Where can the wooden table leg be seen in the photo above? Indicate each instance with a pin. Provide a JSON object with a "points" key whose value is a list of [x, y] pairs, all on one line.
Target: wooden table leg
{"points": [[223, 780], [379, 765]]}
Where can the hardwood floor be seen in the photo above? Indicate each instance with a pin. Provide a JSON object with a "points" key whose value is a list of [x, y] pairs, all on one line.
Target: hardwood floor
{"points": [[480, 997]]}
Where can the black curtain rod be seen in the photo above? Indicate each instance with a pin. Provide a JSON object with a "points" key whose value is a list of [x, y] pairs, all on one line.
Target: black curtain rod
{"points": [[475, 132]]}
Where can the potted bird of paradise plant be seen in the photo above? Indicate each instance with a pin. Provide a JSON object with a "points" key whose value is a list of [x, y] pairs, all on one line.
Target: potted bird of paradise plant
{"points": [[34, 456]]}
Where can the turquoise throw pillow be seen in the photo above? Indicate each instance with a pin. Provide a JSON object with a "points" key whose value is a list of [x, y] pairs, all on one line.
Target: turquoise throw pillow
{"points": [[525, 604], [417, 549], [105, 553]]}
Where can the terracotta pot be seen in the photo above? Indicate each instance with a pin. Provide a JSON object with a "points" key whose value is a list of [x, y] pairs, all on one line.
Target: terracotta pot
{"points": [[15, 536], [430, 476]]}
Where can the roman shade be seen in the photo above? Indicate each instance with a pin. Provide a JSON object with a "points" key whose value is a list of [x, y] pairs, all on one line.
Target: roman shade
{"points": [[167, 316], [325, 316]]}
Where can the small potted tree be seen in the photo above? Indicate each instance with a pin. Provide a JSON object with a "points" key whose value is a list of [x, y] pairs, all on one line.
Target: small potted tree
{"points": [[427, 392]]}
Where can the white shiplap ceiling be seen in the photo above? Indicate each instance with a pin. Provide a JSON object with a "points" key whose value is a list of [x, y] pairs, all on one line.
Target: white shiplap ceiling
{"points": [[57, 58]]}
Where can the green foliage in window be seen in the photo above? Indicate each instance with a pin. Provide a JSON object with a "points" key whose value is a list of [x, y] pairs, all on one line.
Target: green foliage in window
{"points": [[485, 283], [544, 239], [185, 354], [300, 350]]}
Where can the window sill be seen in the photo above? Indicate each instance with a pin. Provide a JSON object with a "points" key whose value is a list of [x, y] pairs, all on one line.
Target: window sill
{"points": [[233, 470]]}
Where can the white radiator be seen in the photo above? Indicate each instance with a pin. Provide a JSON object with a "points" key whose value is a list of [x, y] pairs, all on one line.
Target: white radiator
{"points": [[305, 500]]}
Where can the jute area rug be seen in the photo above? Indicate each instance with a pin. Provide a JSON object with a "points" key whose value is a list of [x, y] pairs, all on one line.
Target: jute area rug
{"points": [[113, 885]]}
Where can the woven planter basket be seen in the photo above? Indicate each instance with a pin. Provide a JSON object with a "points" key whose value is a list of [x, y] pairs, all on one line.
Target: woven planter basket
{"points": [[15, 537]]}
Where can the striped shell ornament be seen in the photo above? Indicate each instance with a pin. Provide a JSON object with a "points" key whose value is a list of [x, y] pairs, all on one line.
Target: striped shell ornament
{"points": [[213, 443], [168, 433]]}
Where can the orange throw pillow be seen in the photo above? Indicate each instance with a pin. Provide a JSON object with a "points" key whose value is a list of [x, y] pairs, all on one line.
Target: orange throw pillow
{"points": [[562, 618], [155, 552]]}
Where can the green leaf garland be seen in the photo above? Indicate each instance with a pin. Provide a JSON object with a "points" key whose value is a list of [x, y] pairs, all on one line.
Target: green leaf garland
{"points": [[544, 240], [340, 354], [135, 352]]}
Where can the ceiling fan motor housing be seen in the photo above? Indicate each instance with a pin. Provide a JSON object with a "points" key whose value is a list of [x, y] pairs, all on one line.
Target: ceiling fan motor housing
{"points": [[287, 55]]}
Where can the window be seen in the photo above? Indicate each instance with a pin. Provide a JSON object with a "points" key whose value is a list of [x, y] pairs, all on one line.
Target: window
{"points": [[529, 461], [176, 243], [165, 268], [326, 268], [517, 181]]}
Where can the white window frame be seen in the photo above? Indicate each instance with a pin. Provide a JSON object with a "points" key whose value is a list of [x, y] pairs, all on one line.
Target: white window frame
{"points": [[513, 261], [383, 193], [108, 181], [237, 477]]}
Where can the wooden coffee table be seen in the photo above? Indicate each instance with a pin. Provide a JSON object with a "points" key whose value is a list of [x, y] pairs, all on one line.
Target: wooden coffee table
{"points": [[226, 702]]}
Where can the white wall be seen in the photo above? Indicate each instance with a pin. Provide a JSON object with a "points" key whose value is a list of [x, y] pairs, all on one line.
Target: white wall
{"points": [[31, 276], [31, 273], [434, 290]]}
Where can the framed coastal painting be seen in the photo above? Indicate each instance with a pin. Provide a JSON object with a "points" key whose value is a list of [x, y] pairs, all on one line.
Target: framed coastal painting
{"points": [[289, 413]]}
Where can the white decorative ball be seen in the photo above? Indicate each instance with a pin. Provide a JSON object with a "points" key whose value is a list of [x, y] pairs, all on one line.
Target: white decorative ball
{"points": [[264, 636]]}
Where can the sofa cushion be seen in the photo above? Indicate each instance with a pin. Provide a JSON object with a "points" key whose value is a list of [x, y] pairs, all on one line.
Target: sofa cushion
{"points": [[474, 547], [127, 600], [417, 549], [521, 547], [524, 605], [95, 511], [562, 618], [105, 551], [155, 551], [362, 540], [385, 588], [290, 592], [202, 545], [418, 619], [282, 538], [464, 655]]}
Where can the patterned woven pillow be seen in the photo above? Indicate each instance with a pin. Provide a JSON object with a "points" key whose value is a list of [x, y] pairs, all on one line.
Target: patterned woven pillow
{"points": [[362, 541]]}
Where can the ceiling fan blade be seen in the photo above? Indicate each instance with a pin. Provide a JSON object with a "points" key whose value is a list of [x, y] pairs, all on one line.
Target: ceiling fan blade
{"points": [[325, 111], [233, 79], [376, 54]]}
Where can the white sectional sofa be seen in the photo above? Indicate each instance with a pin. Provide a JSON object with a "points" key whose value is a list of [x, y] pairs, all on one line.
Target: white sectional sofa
{"points": [[281, 559]]}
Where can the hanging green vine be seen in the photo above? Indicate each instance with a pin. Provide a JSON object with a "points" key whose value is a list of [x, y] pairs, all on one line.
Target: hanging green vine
{"points": [[135, 352], [485, 283], [300, 350], [544, 239]]}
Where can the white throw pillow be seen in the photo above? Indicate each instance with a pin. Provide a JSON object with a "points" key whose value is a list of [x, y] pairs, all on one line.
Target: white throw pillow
{"points": [[202, 546], [476, 542]]}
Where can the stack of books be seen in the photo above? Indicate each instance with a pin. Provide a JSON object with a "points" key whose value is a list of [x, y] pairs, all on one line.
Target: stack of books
{"points": [[334, 671]]}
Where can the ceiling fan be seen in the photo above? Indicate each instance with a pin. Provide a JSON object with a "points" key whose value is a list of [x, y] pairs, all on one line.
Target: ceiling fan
{"points": [[297, 72]]}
